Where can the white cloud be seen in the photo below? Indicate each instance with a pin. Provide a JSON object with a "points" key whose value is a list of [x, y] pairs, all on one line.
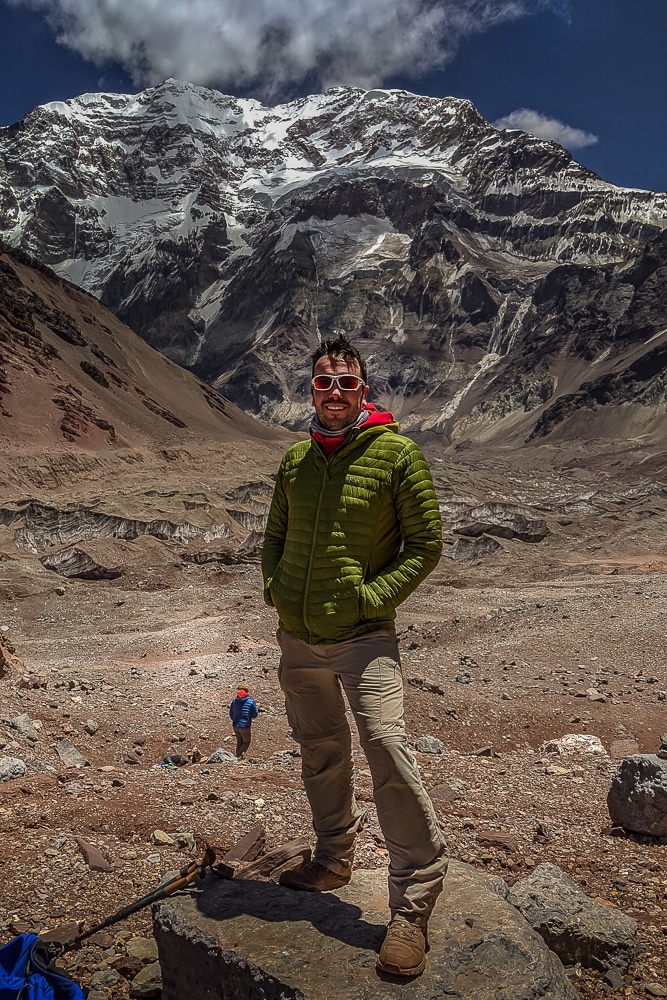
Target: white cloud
{"points": [[547, 128], [272, 46]]}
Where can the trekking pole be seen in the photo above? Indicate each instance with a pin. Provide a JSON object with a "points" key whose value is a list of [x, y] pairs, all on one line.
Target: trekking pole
{"points": [[192, 873]]}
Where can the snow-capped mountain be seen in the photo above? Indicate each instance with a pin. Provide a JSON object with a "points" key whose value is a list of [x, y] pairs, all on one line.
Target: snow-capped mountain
{"points": [[487, 275]]}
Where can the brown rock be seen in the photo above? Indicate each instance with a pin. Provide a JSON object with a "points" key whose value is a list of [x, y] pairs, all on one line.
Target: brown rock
{"points": [[93, 856], [103, 939], [61, 934], [248, 847], [498, 838], [623, 748], [19, 927], [32, 681], [443, 793], [9, 661], [128, 966]]}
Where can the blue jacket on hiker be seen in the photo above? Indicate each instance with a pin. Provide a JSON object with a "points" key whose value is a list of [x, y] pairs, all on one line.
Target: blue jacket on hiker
{"points": [[242, 711]]}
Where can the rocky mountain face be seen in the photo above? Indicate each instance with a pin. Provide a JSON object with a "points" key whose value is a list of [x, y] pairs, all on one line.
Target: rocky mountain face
{"points": [[107, 446], [501, 291]]}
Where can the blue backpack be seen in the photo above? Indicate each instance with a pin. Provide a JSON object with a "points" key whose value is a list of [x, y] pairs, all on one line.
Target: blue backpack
{"points": [[24, 973]]}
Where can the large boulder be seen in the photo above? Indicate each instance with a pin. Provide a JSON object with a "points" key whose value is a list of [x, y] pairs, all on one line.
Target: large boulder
{"points": [[637, 799], [574, 926], [258, 940]]}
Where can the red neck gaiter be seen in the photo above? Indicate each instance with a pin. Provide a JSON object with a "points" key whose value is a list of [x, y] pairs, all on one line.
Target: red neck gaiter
{"points": [[329, 445]]}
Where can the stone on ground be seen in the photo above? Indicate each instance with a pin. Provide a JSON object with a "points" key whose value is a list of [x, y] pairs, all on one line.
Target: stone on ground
{"points": [[219, 756], [637, 799], [12, 767], [576, 927], [429, 744], [69, 754], [24, 725]]}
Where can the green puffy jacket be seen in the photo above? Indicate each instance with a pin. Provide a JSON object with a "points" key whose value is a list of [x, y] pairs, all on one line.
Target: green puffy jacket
{"points": [[350, 537]]}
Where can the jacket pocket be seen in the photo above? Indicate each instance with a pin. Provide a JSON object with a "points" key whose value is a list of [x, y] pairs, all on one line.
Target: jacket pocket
{"points": [[272, 587], [287, 600], [370, 608]]}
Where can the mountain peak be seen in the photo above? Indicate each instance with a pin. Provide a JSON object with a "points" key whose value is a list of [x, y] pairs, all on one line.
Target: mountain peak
{"points": [[227, 232]]}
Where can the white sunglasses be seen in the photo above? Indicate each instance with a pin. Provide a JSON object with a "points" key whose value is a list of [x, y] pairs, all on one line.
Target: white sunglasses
{"points": [[346, 383]]}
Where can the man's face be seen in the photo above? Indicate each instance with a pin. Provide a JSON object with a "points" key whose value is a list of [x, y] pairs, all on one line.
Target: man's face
{"points": [[334, 407]]}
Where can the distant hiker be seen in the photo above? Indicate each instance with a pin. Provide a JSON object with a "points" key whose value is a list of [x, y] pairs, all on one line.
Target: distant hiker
{"points": [[242, 710], [354, 527]]}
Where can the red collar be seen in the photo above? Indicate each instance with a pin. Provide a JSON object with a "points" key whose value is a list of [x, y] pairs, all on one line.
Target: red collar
{"points": [[375, 418]]}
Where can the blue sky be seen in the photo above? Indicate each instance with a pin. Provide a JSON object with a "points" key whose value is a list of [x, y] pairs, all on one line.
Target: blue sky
{"points": [[590, 73]]}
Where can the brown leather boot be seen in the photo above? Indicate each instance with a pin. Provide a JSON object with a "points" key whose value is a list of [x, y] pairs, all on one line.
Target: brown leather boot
{"points": [[403, 951], [313, 877]]}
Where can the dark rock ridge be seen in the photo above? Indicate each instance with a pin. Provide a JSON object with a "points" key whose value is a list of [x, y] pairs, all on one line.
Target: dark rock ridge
{"points": [[82, 542], [500, 289], [239, 517], [77, 561], [503, 520], [45, 526], [468, 550]]}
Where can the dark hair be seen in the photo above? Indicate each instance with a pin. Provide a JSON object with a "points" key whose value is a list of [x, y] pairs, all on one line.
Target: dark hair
{"points": [[340, 348]]}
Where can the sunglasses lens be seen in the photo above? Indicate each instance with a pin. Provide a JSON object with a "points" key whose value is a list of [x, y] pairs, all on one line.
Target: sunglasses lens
{"points": [[348, 383], [322, 382]]}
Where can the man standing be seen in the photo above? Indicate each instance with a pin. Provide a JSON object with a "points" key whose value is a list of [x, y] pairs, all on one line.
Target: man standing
{"points": [[242, 710], [354, 527]]}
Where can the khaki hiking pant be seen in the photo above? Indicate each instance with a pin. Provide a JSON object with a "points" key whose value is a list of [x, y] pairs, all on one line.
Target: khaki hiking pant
{"points": [[368, 670], [243, 739]]}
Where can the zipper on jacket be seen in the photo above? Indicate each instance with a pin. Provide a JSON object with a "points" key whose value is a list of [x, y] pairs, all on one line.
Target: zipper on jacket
{"points": [[311, 557], [328, 462]]}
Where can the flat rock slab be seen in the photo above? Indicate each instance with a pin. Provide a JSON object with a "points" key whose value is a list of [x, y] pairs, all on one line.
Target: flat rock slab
{"points": [[69, 754], [226, 940]]}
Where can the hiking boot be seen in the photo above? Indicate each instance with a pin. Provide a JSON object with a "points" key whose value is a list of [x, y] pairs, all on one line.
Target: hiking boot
{"points": [[313, 877], [403, 951]]}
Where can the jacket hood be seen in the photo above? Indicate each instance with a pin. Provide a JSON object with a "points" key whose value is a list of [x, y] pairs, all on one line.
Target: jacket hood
{"points": [[377, 418], [374, 421]]}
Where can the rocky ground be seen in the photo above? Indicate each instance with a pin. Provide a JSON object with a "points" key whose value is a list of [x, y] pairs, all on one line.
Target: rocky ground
{"points": [[501, 657]]}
